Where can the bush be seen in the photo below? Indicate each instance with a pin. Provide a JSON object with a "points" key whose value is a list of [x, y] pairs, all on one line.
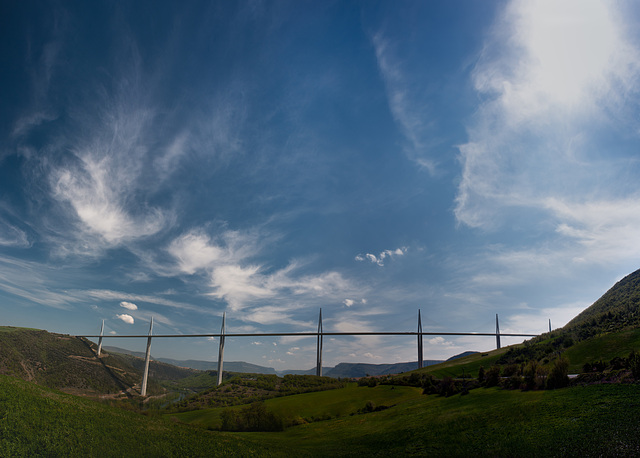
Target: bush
{"points": [[512, 383], [492, 376], [534, 376], [254, 417], [634, 364], [558, 377]]}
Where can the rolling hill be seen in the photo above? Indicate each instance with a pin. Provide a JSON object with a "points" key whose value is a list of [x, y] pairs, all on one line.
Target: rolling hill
{"points": [[71, 364]]}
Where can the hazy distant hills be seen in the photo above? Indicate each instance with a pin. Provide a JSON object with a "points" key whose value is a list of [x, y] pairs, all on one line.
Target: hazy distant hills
{"points": [[229, 366], [343, 370]]}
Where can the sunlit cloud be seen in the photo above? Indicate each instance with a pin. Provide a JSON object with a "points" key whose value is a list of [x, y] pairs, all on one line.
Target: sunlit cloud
{"points": [[126, 318], [549, 74], [128, 305], [379, 259]]}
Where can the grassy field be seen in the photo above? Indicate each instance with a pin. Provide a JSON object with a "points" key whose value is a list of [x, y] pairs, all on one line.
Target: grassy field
{"points": [[36, 421], [471, 364], [598, 420], [316, 406], [604, 347]]}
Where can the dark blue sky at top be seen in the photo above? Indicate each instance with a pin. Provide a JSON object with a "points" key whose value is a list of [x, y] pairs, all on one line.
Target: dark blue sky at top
{"points": [[270, 158]]}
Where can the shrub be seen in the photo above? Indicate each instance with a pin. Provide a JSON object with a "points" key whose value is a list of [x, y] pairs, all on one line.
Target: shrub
{"points": [[254, 417], [512, 383], [558, 377], [534, 376], [481, 374], [492, 377], [634, 364]]}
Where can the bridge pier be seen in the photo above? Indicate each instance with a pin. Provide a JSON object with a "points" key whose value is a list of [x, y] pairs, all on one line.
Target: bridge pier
{"points": [[497, 332], [221, 349], [420, 356], [102, 332], [319, 347], [145, 376]]}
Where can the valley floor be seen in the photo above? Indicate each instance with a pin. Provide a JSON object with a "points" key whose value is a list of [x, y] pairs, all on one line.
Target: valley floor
{"points": [[597, 420]]}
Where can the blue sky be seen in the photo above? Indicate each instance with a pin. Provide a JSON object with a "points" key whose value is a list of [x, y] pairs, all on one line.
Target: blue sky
{"points": [[268, 159]]}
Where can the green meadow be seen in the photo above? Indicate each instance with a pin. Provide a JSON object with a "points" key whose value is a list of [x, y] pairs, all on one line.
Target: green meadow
{"points": [[597, 420]]}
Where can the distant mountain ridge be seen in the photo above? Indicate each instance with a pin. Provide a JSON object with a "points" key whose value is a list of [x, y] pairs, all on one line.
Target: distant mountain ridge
{"points": [[229, 366], [342, 370]]}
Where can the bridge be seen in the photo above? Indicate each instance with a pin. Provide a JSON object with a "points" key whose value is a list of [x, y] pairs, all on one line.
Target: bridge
{"points": [[319, 334]]}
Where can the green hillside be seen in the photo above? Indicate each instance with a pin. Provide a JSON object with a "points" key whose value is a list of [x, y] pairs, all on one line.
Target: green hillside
{"points": [[617, 309], [597, 420], [37, 421], [580, 421], [71, 364]]}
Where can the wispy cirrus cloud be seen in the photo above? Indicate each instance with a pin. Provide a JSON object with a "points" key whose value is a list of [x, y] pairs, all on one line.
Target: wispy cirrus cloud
{"points": [[238, 277], [555, 81], [552, 76], [411, 116], [12, 236]]}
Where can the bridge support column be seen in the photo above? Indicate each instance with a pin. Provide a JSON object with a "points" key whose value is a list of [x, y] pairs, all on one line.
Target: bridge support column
{"points": [[420, 356], [497, 332], [145, 376], [100, 340], [221, 349], [549, 324], [319, 347]]}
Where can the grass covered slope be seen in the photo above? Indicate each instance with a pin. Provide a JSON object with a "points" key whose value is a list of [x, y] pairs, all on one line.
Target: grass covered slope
{"points": [[37, 421], [61, 361], [582, 421], [71, 364], [617, 309], [310, 407]]}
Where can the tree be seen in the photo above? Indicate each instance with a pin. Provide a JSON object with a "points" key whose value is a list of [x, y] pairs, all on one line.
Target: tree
{"points": [[492, 376], [634, 364], [559, 375]]}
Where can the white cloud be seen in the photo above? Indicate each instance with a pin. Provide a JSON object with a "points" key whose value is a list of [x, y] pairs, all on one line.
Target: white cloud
{"points": [[236, 276], [105, 294], [350, 302], [553, 76], [379, 260], [126, 318], [97, 191], [194, 251], [128, 305]]}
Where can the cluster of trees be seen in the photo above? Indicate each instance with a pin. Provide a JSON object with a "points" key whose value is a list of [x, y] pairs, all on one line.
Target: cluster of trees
{"points": [[630, 363], [253, 417], [256, 387], [541, 348], [526, 376]]}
